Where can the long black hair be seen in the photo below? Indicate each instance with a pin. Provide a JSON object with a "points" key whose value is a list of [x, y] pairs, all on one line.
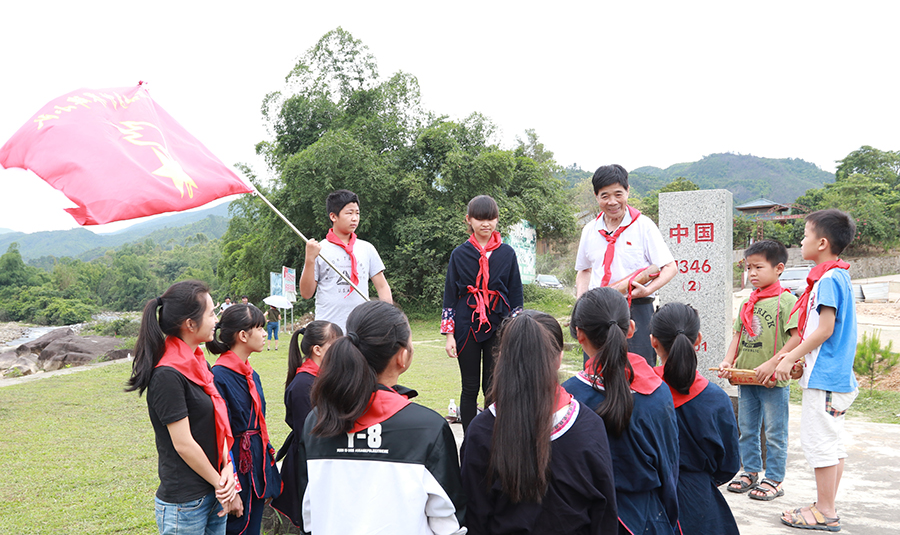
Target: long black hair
{"points": [[376, 331], [163, 316], [676, 326], [602, 315], [524, 388], [235, 319], [316, 333]]}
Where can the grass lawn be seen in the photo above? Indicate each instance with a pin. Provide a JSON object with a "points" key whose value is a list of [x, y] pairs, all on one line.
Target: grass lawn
{"points": [[77, 453]]}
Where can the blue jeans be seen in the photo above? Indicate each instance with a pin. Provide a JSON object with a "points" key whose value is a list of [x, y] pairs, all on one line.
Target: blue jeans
{"points": [[272, 328], [758, 405], [196, 517]]}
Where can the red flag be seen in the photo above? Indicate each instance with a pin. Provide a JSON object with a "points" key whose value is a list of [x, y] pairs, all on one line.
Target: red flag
{"points": [[118, 155]]}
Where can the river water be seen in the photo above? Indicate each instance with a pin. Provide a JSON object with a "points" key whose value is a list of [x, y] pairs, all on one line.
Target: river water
{"points": [[33, 333]]}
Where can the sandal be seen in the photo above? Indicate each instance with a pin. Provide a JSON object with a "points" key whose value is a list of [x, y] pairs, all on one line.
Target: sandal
{"points": [[744, 486], [768, 494], [823, 523]]}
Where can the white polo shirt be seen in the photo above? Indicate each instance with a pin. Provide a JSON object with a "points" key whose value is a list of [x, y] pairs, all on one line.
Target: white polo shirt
{"points": [[639, 245]]}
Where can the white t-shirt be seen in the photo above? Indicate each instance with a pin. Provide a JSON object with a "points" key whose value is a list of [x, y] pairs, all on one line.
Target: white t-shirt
{"points": [[639, 245], [334, 297]]}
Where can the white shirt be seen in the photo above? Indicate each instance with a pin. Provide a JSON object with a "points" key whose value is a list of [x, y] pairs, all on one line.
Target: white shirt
{"points": [[334, 297], [639, 245]]}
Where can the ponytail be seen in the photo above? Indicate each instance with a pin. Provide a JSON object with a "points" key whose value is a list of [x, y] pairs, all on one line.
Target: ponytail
{"points": [[295, 358], [376, 331], [524, 387], [676, 326], [163, 316], [342, 389], [603, 315], [315, 333]]}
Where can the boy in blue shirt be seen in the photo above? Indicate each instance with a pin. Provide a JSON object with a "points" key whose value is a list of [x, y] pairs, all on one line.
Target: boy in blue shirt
{"points": [[827, 333]]}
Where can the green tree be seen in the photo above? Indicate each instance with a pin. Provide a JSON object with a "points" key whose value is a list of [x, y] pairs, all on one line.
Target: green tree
{"points": [[338, 125], [869, 202], [13, 271], [881, 166]]}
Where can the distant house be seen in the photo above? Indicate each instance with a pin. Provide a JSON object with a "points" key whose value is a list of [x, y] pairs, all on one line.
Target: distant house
{"points": [[763, 209]]}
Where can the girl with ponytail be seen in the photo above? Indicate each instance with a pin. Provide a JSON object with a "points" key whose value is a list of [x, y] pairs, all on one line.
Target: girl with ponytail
{"points": [[240, 332], [368, 458], [636, 408], [304, 362], [188, 415], [536, 451], [707, 430]]}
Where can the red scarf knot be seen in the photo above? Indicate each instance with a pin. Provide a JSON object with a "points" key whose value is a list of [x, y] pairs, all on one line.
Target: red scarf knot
{"points": [[194, 367], [772, 290], [815, 274], [484, 299], [331, 237], [245, 459], [611, 243]]}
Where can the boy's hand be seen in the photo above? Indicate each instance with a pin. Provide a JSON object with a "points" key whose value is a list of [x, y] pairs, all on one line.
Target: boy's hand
{"points": [[312, 250], [783, 370], [765, 370], [722, 373]]}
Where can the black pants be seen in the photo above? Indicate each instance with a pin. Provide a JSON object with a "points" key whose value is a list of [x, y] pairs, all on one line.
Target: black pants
{"points": [[639, 343], [476, 365]]}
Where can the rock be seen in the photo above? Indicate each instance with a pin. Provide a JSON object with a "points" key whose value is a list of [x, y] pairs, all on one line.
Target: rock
{"points": [[7, 359], [76, 346], [61, 348], [24, 365], [38, 345], [118, 354], [62, 360]]}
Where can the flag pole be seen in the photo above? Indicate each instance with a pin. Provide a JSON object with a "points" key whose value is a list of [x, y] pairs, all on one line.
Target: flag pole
{"points": [[306, 240]]}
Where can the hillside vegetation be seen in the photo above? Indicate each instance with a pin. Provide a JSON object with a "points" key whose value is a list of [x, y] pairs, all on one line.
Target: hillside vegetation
{"points": [[746, 177], [85, 245]]}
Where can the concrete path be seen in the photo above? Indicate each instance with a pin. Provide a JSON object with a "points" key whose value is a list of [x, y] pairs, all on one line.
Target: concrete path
{"points": [[868, 498]]}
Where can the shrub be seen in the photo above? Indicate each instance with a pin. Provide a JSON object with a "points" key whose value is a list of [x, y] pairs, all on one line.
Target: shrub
{"points": [[873, 360]]}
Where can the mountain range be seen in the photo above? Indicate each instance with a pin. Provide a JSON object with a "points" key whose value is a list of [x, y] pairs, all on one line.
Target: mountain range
{"points": [[86, 245], [747, 177]]}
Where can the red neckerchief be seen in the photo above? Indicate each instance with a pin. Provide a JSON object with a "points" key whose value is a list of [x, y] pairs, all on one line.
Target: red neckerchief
{"points": [[697, 386], [482, 295], [611, 243], [383, 404], [815, 274], [772, 290], [331, 237], [645, 381], [563, 398], [230, 360], [193, 366], [309, 367]]}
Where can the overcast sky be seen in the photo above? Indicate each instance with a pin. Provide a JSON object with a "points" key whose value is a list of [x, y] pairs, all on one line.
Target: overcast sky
{"points": [[635, 83]]}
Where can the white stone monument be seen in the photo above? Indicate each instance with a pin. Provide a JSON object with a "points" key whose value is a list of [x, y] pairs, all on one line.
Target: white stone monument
{"points": [[697, 226]]}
